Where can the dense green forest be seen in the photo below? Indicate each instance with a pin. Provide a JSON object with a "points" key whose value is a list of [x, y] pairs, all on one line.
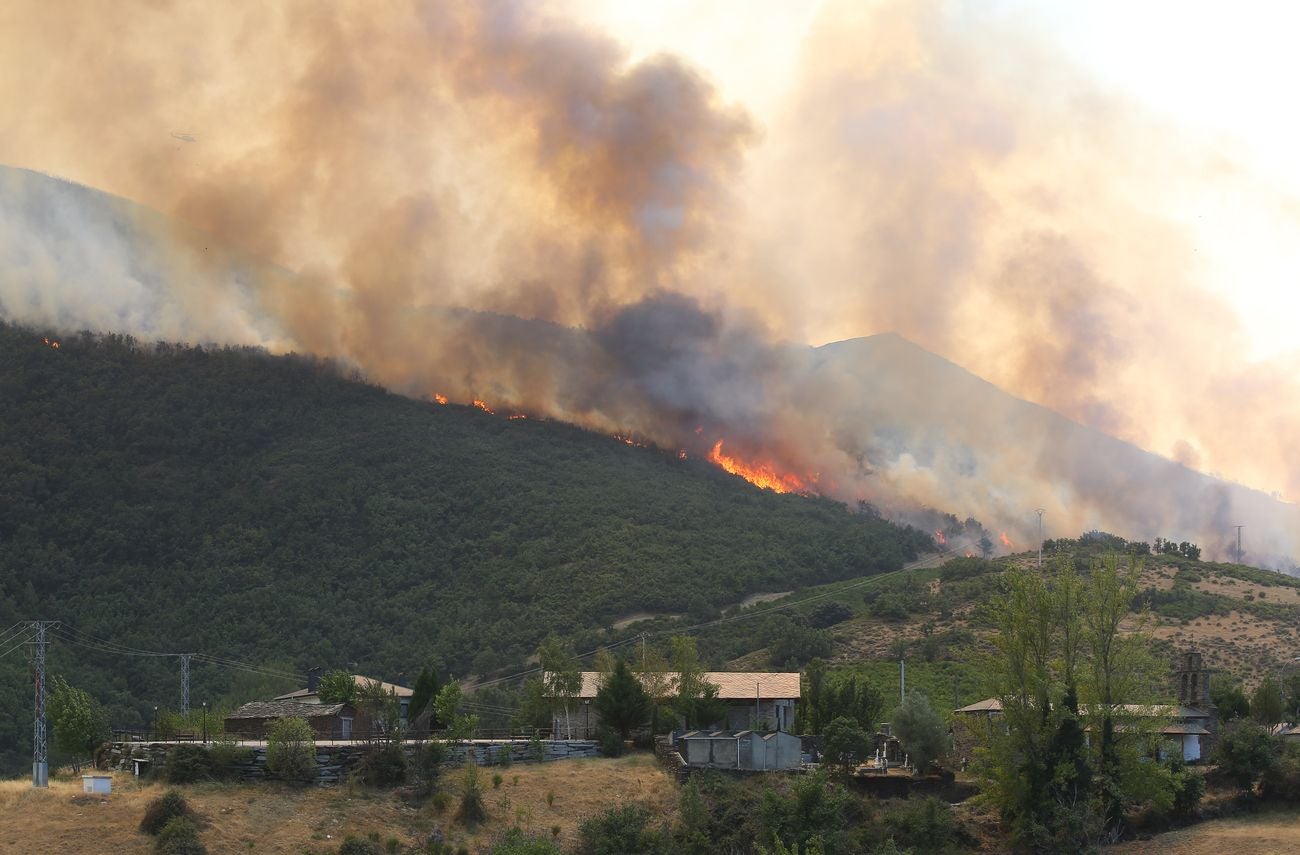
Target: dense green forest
{"points": [[273, 510]]}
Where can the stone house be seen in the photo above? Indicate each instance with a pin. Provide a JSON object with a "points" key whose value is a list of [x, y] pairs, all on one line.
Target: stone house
{"points": [[328, 721], [308, 694]]}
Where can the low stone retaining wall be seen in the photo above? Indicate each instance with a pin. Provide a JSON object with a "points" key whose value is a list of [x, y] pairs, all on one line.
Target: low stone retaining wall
{"points": [[337, 761]]}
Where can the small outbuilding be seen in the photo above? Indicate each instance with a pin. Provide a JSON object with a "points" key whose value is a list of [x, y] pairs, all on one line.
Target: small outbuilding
{"points": [[747, 750], [327, 721]]}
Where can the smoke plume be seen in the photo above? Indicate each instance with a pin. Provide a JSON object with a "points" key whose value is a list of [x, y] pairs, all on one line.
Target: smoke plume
{"points": [[481, 200]]}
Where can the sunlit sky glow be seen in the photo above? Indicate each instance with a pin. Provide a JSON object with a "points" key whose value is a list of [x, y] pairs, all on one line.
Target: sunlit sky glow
{"points": [[1223, 73]]}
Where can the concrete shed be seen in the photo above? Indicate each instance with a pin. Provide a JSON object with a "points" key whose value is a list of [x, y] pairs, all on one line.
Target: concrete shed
{"points": [[748, 750]]}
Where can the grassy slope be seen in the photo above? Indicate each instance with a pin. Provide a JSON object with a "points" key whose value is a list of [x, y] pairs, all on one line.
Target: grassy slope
{"points": [[268, 510], [268, 818], [1246, 621]]}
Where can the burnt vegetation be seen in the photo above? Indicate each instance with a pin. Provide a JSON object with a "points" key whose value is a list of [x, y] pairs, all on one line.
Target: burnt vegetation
{"points": [[271, 508]]}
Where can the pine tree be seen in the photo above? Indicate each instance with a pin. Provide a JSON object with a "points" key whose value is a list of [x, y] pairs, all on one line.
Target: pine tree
{"points": [[622, 702]]}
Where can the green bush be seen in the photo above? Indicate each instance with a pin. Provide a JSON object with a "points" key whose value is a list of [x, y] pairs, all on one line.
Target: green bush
{"points": [[1246, 752], [187, 764], [383, 766], [227, 758], [965, 568], [611, 744], [180, 836], [914, 825], [622, 830], [359, 846], [428, 763], [471, 811], [162, 810], [516, 842], [1282, 781], [291, 751]]}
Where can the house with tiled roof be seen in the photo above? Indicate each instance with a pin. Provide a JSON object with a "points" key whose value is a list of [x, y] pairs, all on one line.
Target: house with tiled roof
{"points": [[756, 700], [309, 694], [1187, 727]]}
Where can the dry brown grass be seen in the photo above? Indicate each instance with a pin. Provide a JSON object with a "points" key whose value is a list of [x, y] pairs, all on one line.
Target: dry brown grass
{"points": [[1261, 834], [269, 818]]}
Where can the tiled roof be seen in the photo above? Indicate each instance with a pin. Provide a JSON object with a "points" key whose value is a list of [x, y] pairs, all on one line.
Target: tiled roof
{"points": [[732, 685], [1175, 729], [285, 709], [1144, 710], [360, 680]]}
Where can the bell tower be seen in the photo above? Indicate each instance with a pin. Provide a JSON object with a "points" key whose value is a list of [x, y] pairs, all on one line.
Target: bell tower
{"points": [[1192, 680]]}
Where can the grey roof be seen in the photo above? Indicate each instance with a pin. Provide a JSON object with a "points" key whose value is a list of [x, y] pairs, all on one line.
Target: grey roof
{"points": [[359, 680], [285, 709]]}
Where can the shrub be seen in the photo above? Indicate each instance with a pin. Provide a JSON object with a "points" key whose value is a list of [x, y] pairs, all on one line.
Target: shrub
{"points": [[226, 758], [471, 811], [428, 763], [180, 836], [1188, 787], [496, 781], [1245, 753], [291, 751], [965, 568], [846, 743], [611, 743], [359, 846], [914, 825], [187, 764], [829, 614], [516, 842], [1282, 780], [162, 810], [622, 831], [383, 766], [921, 731]]}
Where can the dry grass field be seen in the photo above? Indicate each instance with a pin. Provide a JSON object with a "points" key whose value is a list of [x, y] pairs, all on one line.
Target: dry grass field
{"points": [[269, 818], [1262, 834]]}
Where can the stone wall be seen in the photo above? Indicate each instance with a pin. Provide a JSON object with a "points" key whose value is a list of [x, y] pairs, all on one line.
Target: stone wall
{"points": [[336, 762]]}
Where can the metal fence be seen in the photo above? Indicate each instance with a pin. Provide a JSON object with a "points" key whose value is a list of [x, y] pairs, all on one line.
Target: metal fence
{"points": [[333, 731]]}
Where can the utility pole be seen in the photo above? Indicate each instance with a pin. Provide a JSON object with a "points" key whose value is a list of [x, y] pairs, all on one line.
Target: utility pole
{"points": [[1040, 512], [185, 683], [40, 736], [1239, 528], [902, 679]]}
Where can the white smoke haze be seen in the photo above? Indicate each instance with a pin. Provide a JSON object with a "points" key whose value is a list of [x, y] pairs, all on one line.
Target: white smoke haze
{"points": [[397, 190]]}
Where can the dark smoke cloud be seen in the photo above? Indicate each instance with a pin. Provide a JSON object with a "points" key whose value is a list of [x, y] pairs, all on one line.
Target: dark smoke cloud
{"points": [[398, 189]]}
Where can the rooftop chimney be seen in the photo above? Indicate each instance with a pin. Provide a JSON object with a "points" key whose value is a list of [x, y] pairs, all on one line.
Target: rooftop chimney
{"points": [[401, 679], [313, 679]]}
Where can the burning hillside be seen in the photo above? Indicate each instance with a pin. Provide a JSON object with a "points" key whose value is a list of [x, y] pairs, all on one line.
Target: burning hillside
{"points": [[549, 225]]}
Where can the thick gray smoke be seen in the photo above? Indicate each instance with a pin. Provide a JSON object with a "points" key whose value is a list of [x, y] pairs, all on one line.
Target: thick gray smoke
{"points": [[480, 201]]}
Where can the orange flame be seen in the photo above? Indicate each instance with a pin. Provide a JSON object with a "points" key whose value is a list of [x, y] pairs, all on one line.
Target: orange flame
{"points": [[759, 474], [517, 417], [482, 406], [939, 538], [54, 344], [1006, 541], [970, 554], [627, 440], [681, 455], [441, 399]]}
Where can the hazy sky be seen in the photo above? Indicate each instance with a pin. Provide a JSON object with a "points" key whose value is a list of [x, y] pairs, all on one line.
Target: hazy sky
{"points": [[1225, 73]]}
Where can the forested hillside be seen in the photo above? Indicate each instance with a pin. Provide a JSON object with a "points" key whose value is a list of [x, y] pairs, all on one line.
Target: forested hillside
{"points": [[271, 510]]}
